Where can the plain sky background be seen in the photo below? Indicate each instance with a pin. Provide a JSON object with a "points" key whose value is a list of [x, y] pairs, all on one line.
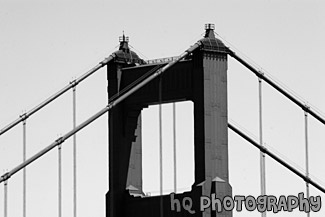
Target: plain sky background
{"points": [[46, 44]]}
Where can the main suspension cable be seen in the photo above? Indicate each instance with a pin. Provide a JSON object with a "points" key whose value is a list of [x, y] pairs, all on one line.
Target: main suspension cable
{"points": [[292, 98], [110, 105], [59, 93]]}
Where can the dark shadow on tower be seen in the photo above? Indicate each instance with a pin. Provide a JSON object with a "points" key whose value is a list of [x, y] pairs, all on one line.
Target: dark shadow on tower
{"points": [[201, 78]]}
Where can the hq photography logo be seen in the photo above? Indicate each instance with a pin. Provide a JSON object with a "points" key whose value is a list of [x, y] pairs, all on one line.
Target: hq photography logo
{"points": [[261, 203]]}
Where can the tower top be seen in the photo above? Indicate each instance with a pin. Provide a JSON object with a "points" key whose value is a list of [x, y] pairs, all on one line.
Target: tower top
{"points": [[124, 54], [209, 31], [209, 26], [124, 40], [210, 42]]}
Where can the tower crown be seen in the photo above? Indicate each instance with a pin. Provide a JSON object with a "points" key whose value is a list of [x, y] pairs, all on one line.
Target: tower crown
{"points": [[124, 54], [210, 42], [124, 43], [209, 31]]}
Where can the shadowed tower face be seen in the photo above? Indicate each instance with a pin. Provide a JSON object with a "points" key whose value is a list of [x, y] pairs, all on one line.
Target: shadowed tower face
{"points": [[202, 78]]}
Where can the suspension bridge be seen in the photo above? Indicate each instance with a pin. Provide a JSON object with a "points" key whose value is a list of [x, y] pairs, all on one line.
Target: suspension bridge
{"points": [[198, 75]]}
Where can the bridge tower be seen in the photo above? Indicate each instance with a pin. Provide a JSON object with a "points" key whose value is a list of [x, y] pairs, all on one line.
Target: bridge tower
{"points": [[201, 78]]}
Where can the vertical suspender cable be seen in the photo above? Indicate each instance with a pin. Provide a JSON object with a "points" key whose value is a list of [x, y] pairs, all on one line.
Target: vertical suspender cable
{"points": [[59, 181], [262, 155], [306, 153], [5, 198], [160, 149], [74, 154], [174, 144], [24, 170]]}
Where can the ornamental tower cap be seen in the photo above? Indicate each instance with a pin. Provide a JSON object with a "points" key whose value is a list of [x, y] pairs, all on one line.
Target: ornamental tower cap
{"points": [[209, 31]]}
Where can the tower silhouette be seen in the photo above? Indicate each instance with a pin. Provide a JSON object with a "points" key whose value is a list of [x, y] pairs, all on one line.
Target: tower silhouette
{"points": [[200, 78]]}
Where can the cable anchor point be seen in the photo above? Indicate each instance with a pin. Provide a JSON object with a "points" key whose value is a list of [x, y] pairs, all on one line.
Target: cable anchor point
{"points": [[306, 108], [23, 116], [5, 177], [59, 141], [263, 149], [74, 83], [260, 74]]}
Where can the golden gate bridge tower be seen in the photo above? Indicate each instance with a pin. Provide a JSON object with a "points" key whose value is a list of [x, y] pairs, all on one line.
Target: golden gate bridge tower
{"points": [[200, 77]]}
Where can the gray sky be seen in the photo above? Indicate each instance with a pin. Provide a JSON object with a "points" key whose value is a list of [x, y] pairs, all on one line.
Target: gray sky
{"points": [[46, 44]]}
